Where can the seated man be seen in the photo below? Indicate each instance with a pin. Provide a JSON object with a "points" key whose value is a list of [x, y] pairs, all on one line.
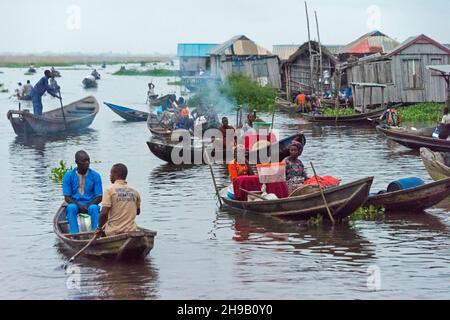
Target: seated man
{"points": [[82, 188], [121, 205]]}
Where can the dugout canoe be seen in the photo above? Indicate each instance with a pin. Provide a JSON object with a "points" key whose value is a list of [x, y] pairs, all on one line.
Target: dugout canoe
{"points": [[128, 114], [165, 151], [129, 246], [79, 115], [434, 163], [362, 118], [415, 139], [343, 201], [412, 200]]}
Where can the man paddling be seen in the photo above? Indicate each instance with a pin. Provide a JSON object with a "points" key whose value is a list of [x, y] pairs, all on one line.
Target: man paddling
{"points": [[82, 188], [38, 91], [121, 204]]}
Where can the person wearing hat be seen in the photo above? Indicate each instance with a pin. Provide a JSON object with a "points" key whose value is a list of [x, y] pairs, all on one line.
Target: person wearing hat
{"points": [[391, 117], [295, 170]]}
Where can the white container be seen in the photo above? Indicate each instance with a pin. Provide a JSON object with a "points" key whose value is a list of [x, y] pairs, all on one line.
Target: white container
{"points": [[272, 172]]}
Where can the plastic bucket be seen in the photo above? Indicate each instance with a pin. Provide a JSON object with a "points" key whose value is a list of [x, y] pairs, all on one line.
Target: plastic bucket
{"points": [[84, 223], [405, 184]]}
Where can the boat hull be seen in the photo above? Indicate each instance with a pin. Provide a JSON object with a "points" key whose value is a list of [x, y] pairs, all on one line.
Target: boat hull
{"points": [[131, 246], [413, 200], [128, 114], [342, 201], [434, 164]]}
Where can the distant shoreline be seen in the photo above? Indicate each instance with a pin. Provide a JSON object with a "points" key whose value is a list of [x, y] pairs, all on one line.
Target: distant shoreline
{"points": [[24, 61]]}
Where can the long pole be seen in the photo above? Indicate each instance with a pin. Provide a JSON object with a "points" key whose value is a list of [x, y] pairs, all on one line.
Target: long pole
{"points": [[311, 85], [320, 54], [62, 108], [213, 177], [323, 194]]}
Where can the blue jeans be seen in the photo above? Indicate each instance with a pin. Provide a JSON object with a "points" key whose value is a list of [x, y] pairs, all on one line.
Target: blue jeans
{"points": [[37, 104], [72, 215]]}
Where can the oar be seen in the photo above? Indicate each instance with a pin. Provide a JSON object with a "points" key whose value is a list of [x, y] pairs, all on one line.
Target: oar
{"points": [[96, 236], [62, 108], [213, 177], [323, 195]]}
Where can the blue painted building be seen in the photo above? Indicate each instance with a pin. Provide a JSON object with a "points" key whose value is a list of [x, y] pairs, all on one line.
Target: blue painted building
{"points": [[195, 58]]}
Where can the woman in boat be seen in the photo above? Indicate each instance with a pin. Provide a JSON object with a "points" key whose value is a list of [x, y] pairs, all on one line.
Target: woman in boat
{"points": [[237, 169], [295, 170]]}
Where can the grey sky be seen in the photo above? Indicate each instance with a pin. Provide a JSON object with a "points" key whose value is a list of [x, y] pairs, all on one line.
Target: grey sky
{"points": [[146, 27]]}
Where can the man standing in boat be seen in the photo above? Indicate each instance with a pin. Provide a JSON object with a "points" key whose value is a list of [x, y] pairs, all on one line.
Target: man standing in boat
{"points": [[38, 91], [82, 188], [121, 204]]}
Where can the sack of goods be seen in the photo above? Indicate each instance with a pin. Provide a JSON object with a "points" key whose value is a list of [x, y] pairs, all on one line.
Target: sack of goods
{"points": [[84, 223], [272, 172]]}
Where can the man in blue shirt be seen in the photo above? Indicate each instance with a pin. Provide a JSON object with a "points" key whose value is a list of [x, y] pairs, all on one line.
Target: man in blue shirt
{"points": [[39, 90], [82, 188]]}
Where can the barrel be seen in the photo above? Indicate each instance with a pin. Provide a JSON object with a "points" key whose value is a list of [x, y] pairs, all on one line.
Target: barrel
{"points": [[405, 184]]}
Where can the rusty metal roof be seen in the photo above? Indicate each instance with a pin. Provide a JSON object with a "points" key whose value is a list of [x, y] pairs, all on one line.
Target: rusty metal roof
{"points": [[370, 43], [240, 46]]}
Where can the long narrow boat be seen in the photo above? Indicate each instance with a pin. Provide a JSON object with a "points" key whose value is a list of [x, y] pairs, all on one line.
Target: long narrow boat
{"points": [[354, 119], [129, 246], [435, 165], [415, 139], [78, 116], [165, 151], [161, 101], [286, 106], [413, 200], [128, 114], [342, 201]]}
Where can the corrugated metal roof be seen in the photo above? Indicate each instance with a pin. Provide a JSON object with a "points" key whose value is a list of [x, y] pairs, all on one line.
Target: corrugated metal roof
{"points": [[240, 46], [372, 42], [420, 39], [284, 51], [443, 68], [195, 49]]}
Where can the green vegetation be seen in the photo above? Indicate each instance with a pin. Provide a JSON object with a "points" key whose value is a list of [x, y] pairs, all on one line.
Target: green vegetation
{"points": [[315, 222], [428, 111], [242, 90], [332, 112], [175, 83], [4, 90], [152, 73], [59, 172], [368, 214]]}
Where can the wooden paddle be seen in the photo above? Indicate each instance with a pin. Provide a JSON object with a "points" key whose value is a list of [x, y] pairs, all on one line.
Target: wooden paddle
{"points": [[71, 260], [323, 194]]}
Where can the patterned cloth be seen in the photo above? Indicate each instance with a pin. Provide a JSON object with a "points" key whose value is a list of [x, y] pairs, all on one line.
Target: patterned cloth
{"points": [[295, 173]]}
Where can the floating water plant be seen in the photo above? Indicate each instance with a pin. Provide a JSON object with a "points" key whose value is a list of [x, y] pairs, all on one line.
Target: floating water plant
{"points": [[57, 174], [370, 213], [332, 112], [422, 112], [153, 73]]}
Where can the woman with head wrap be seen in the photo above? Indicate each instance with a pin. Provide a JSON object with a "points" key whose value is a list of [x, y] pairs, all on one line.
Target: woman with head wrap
{"points": [[295, 170]]}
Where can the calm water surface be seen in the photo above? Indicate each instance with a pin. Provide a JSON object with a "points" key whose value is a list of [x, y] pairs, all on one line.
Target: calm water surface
{"points": [[201, 252]]}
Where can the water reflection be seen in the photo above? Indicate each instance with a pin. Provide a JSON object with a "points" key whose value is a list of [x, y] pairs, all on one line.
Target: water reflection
{"points": [[342, 241], [108, 279]]}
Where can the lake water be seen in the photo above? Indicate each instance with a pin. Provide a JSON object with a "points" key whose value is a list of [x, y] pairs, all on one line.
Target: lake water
{"points": [[201, 252]]}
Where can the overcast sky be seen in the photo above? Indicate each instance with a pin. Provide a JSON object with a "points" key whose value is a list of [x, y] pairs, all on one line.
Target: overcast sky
{"points": [[146, 27]]}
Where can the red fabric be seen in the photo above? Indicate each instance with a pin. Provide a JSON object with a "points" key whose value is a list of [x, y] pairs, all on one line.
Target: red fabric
{"points": [[251, 183], [251, 139], [324, 181]]}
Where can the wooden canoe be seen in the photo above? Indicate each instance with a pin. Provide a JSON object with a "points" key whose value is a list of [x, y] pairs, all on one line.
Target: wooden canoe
{"points": [[157, 128], [434, 163], [128, 114], [79, 115], [286, 106], [164, 151], [130, 246], [362, 118], [162, 101], [415, 139], [343, 201], [412, 200]]}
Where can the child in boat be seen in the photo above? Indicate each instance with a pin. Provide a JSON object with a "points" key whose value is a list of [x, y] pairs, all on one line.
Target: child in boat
{"points": [[236, 169], [295, 170], [391, 117]]}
